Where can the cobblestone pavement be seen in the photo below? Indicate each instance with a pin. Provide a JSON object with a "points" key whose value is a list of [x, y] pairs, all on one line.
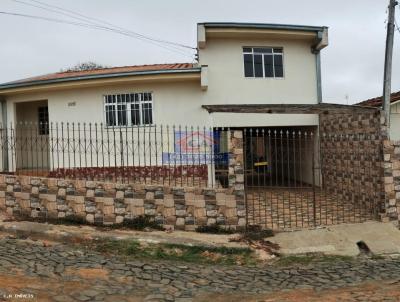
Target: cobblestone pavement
{"points": [[60, 273]]}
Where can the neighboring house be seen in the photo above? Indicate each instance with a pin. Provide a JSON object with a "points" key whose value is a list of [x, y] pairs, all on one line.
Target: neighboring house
{"points": [[394, 110], [238, 63]]}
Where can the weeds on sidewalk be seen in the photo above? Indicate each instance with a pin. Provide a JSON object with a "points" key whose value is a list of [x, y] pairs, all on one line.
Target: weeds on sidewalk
{"points": [[139, 223], [254, 236], [175, 252], [310, 258], [215, 229]]}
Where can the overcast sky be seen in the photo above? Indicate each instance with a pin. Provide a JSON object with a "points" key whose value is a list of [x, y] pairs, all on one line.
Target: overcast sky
{"points": [[352, 65]]}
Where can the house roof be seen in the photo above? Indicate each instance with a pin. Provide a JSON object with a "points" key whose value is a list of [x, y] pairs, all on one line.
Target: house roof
{"points": [[377, 102], [263, 26], [102, 73]]}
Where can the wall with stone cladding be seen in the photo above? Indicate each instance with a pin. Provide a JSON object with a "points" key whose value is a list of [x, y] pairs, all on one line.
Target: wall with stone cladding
{"points": [[392, 181], [236, 162], [111, 203], [351, 146], [353, 122]]}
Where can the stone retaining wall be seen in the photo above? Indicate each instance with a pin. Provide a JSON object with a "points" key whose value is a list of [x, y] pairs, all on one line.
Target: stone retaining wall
{"points": [[111, 203]]}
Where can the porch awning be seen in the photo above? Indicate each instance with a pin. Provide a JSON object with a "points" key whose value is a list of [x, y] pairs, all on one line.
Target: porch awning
{"points": [[323, 108]]}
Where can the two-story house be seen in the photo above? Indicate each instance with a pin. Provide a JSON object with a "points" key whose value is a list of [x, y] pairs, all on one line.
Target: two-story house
{"points": [[238, 63]]}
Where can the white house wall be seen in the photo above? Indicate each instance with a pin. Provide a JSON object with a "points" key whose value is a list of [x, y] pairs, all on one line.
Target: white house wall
{"points": [[227, 84], [174, 103], [395, 122]]}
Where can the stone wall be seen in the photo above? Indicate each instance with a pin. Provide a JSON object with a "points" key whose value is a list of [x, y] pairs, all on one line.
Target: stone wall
{"points": [[353, 122], [111, 203], [351, 147], [392, 180]]}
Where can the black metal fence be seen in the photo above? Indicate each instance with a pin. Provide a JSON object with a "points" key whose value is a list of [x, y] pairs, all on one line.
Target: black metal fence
{"points": [[297, 177], [157, 154]]}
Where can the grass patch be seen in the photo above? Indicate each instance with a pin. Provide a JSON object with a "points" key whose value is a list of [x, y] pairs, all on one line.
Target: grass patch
{"points": [[139, 223], [214, 229], [255, 232], [377, 257], [175, 252], [306, 259]]}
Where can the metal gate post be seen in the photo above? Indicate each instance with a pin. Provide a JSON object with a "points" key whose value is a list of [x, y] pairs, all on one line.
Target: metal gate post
{"points": [[313, 179]]}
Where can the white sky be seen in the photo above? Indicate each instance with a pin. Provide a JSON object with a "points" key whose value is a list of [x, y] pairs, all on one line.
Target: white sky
{"points": [[352, 65]]}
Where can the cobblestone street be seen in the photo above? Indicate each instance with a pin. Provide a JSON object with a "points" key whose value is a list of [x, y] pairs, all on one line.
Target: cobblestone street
{"points": [[60, 273]]}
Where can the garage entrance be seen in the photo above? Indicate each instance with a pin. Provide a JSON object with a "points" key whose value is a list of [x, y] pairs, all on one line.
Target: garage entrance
{"points": [[290, 182]]}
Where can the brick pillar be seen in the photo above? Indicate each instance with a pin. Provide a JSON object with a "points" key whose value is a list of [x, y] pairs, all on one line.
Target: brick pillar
{"points": [[391, 166], [236, 162]]}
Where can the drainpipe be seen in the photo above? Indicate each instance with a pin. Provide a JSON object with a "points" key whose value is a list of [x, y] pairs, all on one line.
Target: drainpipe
{"points": [[321, 42], [319, 84]]}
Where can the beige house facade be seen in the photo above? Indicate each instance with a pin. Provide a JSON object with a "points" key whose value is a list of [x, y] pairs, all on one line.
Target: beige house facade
{"points": [[178, 92], [238, 63]]}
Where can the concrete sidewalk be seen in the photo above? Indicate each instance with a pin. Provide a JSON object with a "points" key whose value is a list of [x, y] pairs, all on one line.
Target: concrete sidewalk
{"points": [[381, 238], [69, 233]]}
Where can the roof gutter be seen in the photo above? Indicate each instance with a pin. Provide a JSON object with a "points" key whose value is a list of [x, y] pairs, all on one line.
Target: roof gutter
{"points": [[262, 26], [99, 76]]}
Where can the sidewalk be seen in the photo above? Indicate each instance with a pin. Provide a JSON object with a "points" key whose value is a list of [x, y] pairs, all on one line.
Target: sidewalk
{"points": [[71, 233], [381, 238]]}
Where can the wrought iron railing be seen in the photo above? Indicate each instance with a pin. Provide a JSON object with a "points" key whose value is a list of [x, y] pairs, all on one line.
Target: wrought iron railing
{"points": [[157, 154]]}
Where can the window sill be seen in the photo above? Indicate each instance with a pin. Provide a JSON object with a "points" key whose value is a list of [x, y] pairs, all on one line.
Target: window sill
{"points": [[254, 78], [128, 127]]}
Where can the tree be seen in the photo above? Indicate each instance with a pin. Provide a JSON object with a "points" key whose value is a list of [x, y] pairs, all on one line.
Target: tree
{"points": [[84, 67]]}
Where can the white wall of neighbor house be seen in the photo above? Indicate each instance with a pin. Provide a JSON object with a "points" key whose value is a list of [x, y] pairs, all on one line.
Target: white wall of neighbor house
{"points": [[228, 85], [395, 122]]}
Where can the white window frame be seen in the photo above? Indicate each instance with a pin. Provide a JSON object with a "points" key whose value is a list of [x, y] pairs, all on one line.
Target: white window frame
{"points": [[262, 57], [141, 101]]}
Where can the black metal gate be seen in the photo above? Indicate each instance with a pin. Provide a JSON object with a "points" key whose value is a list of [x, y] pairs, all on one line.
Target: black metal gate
{"points": [[296, 178]]}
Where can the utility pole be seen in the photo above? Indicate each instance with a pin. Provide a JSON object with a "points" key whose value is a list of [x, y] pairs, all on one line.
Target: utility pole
{"points": [[387, 77]]}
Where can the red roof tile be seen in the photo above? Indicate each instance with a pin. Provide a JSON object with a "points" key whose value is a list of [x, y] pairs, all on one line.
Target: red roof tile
{"points": [[377, 102], [105, 71]]}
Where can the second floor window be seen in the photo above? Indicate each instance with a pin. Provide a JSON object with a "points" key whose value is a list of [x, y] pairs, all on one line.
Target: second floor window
{"points": [[263, 62], [132, 109]]}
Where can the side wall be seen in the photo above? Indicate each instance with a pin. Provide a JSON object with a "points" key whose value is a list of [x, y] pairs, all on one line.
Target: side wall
{"points": [[351, 157]]}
